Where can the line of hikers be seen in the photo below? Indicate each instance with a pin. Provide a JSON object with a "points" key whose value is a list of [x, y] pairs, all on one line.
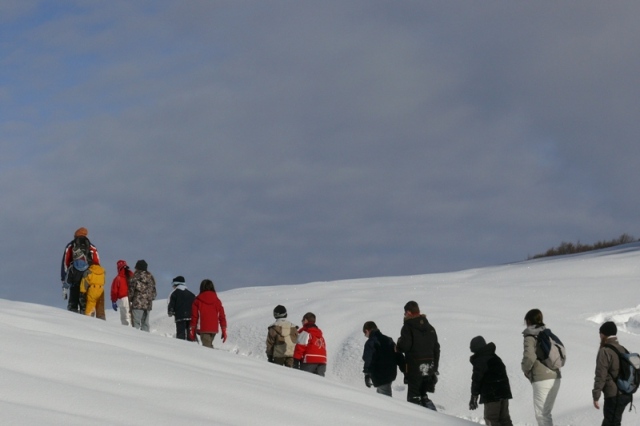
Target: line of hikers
{"points": [[133, 293], [416, 353]]}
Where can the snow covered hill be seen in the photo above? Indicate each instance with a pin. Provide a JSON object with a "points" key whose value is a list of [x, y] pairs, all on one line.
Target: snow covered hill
{"points": [[60, 368]]}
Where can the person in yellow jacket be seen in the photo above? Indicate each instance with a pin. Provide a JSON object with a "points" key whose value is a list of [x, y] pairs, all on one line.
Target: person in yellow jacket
{"points": [[92, 285]]}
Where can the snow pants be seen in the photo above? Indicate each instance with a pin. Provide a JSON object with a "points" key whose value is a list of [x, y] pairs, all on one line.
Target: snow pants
{"points": [[544, 396], [125, 310], [207, 339], [95, 302]]}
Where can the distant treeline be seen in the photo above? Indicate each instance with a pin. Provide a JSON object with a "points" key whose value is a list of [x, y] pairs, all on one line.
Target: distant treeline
{"points": [[571, 248]]}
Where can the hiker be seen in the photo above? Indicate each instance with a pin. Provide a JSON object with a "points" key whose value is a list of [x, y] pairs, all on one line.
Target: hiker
{"points": [[180, 302], [142, 293], [207, 315], [419, 343], [78, 255], [545, 382], [380, 359], [310, 354], [92, 287], [282, 336], [120, 292], [490, 383], [607, 369]]}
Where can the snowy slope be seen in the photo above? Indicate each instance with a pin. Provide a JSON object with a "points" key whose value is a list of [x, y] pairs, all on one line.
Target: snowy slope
{"points": [[61, 368]]}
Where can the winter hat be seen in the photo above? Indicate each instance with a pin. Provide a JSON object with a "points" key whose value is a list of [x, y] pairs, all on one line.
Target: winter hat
{"points": [[609, 328], [179, 280], [81, 232], [477, 343], [121, 264], [141, 265], [279, 312]]}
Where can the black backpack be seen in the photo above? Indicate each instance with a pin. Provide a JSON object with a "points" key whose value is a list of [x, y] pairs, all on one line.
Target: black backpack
{"points": [[81, 259], [81, 250]]}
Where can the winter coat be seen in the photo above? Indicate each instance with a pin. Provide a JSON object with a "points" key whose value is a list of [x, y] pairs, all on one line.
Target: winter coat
{"points": [[93, 280], [531, 366], [281, 339], [67, 259], [489, 378], [142, 291], [310, 347], [419, 342], [379, 357], [607, 368], [207, 312], [120, 284], [180, 303]]}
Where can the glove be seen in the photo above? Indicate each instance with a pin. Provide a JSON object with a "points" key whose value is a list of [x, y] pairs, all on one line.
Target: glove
{"points": [[224, 335], [473, 402], [270, 358], [65, 293], [296, 364], [367, 380], [192, 334], [114, 305]]}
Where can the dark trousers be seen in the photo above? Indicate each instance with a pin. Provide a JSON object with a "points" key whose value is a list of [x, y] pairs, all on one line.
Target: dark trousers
{"points": [[420, 379], [613, 409], [384, 389], [182, 329], [76, 302], [497, 413], [417, 386], [286, 361]]}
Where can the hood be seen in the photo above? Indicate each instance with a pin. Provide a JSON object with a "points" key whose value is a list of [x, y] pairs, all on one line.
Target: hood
{"points": [[419, 323], [533, 330], [96, 269], [488, 349], [208, 297]]}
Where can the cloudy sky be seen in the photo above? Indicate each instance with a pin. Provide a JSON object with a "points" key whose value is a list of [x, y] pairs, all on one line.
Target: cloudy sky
{"points": [[282, 142]]}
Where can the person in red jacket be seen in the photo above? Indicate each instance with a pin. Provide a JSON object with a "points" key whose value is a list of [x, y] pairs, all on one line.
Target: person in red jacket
{"points": [[310, 353], [206, 313], [120, 292]]}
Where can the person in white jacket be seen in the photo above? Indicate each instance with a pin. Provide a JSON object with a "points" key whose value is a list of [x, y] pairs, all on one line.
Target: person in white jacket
{"points": [[545, 382]]}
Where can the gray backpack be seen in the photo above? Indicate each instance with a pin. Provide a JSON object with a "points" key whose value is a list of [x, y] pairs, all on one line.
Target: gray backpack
{"points": [[550, 350]]}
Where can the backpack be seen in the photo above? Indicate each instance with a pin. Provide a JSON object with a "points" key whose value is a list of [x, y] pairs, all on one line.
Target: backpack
{"points": [[629, 374], [550, 350], [81, 250], [76, 272]]}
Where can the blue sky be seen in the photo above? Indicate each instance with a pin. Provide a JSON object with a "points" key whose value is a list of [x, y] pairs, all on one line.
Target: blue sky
{"points": [[261, 143]]}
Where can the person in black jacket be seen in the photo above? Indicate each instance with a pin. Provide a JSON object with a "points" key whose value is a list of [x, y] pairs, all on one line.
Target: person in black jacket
{"points": [[380, 360], [490, 382], [180, 302], [419, 342]]}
